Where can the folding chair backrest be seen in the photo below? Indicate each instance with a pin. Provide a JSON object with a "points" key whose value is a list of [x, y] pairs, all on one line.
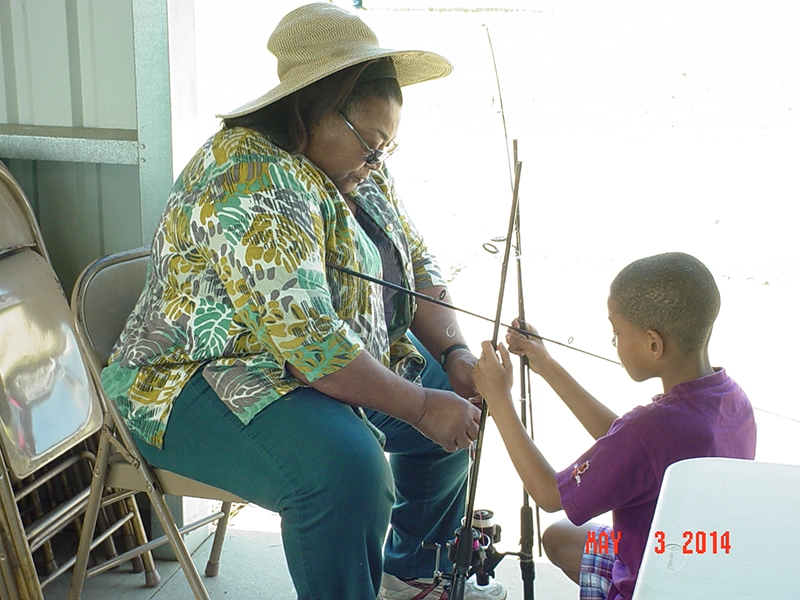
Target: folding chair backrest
{"points": [[730, 530], [102, 300], [18, 226], [106, 294], [46, 402]]}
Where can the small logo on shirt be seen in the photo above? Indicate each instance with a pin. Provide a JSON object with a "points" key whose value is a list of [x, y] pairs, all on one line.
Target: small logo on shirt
{"points": [[577, 471]]}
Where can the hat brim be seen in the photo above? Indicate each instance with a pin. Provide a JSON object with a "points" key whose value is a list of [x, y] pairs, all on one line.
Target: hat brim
{"points": [[413, 66]]}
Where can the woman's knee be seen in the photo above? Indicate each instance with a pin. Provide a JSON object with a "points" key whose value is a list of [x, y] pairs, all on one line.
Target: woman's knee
{"points": [[307, 452], [355, 474]]}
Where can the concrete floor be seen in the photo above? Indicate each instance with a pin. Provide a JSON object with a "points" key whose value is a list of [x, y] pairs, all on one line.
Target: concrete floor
{"points": [[253, 568]]}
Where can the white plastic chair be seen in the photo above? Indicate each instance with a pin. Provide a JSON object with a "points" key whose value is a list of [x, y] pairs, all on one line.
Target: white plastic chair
{"points": [[730, 531]]}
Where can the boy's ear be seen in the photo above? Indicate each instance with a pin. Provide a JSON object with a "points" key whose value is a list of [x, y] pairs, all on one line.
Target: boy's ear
{"points": [[655, 344]]}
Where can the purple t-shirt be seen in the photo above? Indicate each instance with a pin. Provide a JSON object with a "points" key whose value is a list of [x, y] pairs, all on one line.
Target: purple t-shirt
{"points": [[622, 471]]}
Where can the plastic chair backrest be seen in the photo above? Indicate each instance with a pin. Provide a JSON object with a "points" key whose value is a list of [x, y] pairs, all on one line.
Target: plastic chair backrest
{"points": [[108, 291], [730, 530]]}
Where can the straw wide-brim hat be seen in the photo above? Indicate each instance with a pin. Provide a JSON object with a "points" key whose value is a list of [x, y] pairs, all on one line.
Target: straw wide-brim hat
{"points": [[317, 40]]}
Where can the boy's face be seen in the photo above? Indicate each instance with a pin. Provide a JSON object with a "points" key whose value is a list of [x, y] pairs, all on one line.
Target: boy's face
{"points": [[633, 345]]}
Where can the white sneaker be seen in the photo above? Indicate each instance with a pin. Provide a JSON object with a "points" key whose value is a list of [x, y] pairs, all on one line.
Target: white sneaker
{"points": [[394, 588], [493, 591]]}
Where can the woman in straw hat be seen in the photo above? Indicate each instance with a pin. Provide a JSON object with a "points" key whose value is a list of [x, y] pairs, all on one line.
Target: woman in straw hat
{"points": [[251, 364]]}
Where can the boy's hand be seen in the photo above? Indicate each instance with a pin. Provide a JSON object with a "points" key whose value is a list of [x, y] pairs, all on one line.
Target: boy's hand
{"points": [[528, 346], [494, 378]]}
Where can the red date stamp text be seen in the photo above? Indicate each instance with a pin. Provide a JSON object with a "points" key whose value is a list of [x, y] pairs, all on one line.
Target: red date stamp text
{"points": [[698, 542]]}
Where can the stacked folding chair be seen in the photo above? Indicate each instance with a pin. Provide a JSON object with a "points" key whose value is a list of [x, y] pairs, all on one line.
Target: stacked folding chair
{"points": [[68, 465], [49, 414]]}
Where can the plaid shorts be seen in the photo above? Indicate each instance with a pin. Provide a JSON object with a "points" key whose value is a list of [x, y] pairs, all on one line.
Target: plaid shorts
{"points": [[595, 576]]}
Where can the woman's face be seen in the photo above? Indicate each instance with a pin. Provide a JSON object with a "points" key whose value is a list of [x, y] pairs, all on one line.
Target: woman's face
{"points": [[335, 149]]}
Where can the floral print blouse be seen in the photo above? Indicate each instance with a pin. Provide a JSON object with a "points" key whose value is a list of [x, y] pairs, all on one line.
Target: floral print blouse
{"points": [[239, 284]]}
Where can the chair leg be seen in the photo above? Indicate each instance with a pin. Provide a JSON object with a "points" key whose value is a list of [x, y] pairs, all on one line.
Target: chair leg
{"points": [[8, 589], [92, 512], [49, 565], [128, 536], [212, 566], [152, 578], [159, 506], [25, 582]]}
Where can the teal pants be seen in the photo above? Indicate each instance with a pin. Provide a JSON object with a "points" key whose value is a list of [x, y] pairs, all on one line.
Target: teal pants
{"points": [[314, 461]]}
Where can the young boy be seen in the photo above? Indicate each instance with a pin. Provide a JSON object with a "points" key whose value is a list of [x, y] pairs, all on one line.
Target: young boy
{"points": [[662, 309]]}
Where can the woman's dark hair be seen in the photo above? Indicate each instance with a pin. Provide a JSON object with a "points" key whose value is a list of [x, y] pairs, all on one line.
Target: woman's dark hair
{"points": [[289, 121]]}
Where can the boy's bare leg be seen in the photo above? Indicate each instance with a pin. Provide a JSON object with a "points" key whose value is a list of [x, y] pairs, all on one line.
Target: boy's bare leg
{"points": [[564, 544]]}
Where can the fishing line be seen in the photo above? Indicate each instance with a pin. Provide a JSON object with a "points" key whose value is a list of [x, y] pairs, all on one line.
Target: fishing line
{"points": [[425, 297]]}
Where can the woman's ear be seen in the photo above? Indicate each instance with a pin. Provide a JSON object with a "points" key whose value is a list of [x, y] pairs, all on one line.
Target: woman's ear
{"points": [[655, 344]]}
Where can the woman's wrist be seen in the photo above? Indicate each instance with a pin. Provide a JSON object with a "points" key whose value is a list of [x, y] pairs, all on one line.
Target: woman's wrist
{"points": [[450, 350]]}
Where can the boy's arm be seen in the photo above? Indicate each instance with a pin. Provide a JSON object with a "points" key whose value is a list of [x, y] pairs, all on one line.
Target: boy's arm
{"points": [[593, 415], [493, 380]]}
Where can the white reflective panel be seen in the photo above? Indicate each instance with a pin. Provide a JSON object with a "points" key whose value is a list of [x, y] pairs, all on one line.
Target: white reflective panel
{"points": [[46, 404]]}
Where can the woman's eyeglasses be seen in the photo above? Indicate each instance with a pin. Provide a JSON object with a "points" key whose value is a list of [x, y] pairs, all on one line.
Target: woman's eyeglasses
{"points": [[373, 157]]}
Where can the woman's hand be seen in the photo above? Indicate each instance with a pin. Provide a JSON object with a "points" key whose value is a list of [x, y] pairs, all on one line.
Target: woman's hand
{"points": [[443, 416], [530, 347], [449, 420], [494, 378], [459, 367]]}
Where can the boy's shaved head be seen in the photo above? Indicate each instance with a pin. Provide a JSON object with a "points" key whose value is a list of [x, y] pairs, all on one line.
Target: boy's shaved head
{"points": [[673, 293]]}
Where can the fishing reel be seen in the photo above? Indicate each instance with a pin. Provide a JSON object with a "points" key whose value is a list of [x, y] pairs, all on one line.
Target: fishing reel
{"points": [[483, 556]]}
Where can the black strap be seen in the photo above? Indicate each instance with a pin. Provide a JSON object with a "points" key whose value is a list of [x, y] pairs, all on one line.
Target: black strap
{"points": [[443, 356]]}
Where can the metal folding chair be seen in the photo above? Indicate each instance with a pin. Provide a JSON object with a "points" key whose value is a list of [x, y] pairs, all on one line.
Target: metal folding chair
{"points": [[48, 408], [102, 299], [723, 529]]}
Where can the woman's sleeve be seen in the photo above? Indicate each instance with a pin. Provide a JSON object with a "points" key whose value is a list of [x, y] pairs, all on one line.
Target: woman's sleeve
{"points": [[265, 230]]}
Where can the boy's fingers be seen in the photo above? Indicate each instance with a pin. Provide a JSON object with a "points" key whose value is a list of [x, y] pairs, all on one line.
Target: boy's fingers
{"points": [[526, 328], [504, 355], [520, 324]]}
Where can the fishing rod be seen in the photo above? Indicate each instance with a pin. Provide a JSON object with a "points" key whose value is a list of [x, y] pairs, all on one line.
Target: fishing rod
{"points": [[526, 565], [426, 298], [467, 537], [526, 512]]}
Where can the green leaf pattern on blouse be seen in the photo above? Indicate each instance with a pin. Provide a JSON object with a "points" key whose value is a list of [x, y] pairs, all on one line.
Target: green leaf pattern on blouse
{"points": [[238, 284]]}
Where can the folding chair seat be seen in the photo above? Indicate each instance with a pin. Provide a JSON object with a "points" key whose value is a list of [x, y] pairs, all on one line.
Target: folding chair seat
{"points": [[48, 408], [723, 529], [102, 299]]}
